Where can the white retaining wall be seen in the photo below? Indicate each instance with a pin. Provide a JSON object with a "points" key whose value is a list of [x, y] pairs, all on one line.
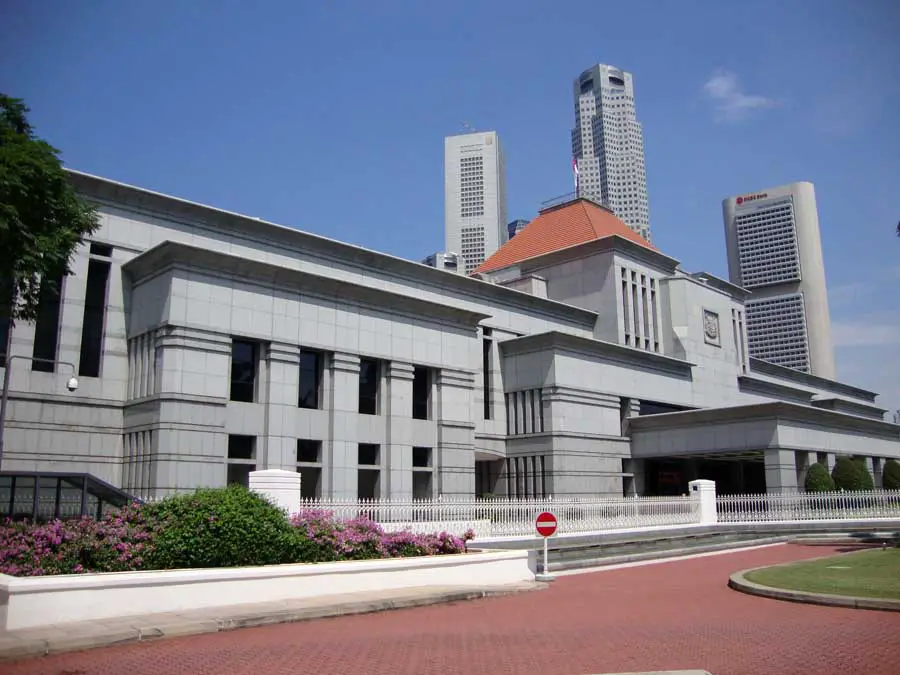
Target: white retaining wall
{"points": [[33, 602]]}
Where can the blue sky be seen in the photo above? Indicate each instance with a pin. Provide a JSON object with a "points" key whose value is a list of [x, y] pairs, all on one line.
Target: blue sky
{"points": [[330, 116]]}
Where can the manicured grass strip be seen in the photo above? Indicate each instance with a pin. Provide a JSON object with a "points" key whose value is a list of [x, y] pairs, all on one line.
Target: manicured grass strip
{"points": [[873, 573]]}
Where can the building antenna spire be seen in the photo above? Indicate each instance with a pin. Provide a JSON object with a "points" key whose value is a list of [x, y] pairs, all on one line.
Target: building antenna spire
{"points": [[467, 128]]}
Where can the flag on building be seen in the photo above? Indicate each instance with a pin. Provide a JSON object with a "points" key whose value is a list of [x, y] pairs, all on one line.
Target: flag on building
{"points": [[575, 169]]}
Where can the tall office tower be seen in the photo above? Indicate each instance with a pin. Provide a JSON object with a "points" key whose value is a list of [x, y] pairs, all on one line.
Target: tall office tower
{"points": [[515, 227], [608, 145], [474, 196], [775, 251]]}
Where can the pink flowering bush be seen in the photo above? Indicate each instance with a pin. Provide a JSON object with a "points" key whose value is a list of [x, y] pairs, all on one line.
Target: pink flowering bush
{"points": [[226, 527], [361, 539], [118, 542]]}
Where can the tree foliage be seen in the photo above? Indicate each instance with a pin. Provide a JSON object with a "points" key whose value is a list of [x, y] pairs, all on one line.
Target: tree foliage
{"points": [[890, 475], [42, 219], [851, 474], [818, 479]]}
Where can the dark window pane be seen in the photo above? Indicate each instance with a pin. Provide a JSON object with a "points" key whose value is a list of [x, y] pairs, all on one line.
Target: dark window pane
{"points": [[94, 318], [421, 393], [368, 483], [421, 457], [422, 485], [241, 447], [310, 482], [244, 358], [6, 294], [240, 474], [310, 379], [368, 386], [46, 326], [103, 250], [368, 454], [486, 374], [309, 451]]}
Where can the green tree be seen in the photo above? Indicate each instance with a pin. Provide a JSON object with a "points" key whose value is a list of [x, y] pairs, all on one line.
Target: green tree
{"points": [[851, 474], [42, 219], [890, 475], [818, 479]]}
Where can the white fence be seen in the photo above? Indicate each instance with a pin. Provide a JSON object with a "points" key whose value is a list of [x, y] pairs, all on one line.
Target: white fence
{"points": [[510, 518], [801, 506]]}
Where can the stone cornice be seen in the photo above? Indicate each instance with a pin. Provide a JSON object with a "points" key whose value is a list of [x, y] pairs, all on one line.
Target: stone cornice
{"points": [[171, 255], [606, 352], [776, 411], [399, 370], [614, 243], [798, 377], [255, 231], [343, 362], [460, 379], [757, 385], [193, 338], [580, 396]]}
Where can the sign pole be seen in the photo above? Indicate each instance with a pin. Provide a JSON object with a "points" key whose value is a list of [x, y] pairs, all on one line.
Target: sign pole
{"points": [[545, 525]]}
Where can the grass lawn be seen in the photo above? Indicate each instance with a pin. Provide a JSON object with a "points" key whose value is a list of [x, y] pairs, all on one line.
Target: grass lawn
{"points": [[871, 573]]}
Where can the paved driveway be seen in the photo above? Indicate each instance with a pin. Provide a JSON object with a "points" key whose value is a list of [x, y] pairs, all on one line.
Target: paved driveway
{"points": [[675, 615]]}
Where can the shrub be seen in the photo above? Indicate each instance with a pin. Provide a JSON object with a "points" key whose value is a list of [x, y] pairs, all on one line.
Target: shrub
{"points": [[818, 479], [116, 543], [227, 527], [890, 476], [209, 528], [851, 475]]}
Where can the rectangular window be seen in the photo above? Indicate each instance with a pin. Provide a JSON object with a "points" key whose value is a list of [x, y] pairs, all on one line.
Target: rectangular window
{"points": [[244, 365], [93, 323], [46, 325], [241, 459], [421, 393], [311, 369], [309, 452], [369, 374], [422, 482], [368, 454], [486, 371], [5, 309], [421, 458]]}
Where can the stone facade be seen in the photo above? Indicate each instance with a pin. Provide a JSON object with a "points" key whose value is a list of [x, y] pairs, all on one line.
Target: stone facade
{"points": [[225, 344]]}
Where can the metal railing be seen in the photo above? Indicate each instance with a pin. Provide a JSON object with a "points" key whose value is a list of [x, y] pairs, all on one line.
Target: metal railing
{"points": [[801, 506], [43, 496], [509, 518]]}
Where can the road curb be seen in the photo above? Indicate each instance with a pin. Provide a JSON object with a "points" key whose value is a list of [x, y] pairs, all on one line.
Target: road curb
{"points": [[76, 637], [739, 582]]}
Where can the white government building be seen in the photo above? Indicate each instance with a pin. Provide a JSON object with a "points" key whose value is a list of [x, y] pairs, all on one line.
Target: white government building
{"points": [[583, 362]]}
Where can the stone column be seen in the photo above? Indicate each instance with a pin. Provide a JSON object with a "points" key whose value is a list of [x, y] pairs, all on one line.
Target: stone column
{"points": [[398, 410], [781, 470], [826, 458], [803, 461], [282, 383], [340, 457], [456, 434], [878, 472]]}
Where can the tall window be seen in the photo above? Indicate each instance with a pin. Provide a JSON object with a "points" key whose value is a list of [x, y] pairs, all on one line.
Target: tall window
{"points": [[241, 459], [310, 379], [368, 474], [93, 324], [421, 393], [309, 466], [244, 364], [6, 294], [369, 374], [46, 326], [486, 371]]}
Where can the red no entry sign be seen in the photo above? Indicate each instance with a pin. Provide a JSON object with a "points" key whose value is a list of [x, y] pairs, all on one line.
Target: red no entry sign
{"points": [[546, 524]]}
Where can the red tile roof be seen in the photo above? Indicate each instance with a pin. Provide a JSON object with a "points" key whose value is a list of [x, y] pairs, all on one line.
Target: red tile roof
{"points": [[570, 224]]}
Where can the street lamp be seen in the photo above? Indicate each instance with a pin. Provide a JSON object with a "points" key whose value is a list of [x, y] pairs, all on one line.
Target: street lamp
{"points": [[71, 385]]}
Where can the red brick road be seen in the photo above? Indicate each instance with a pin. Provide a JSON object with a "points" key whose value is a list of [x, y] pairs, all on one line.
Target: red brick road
{"points": [[675, 615]]}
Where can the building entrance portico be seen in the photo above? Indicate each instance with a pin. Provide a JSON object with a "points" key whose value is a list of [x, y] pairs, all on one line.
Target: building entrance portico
{"points": [[765, 447]]}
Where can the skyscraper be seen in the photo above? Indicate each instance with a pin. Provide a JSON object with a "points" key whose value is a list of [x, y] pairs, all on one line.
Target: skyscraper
{"points": [[775, 251], [515, 227], [608, 145], [474, 196]]}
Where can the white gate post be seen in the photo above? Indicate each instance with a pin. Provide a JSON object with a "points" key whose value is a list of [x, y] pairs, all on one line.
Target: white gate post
{"points": [[280, 487], [704, 492]]}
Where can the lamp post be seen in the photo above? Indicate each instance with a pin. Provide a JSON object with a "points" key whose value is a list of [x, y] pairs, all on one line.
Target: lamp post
{"points": [[71, 385]]}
